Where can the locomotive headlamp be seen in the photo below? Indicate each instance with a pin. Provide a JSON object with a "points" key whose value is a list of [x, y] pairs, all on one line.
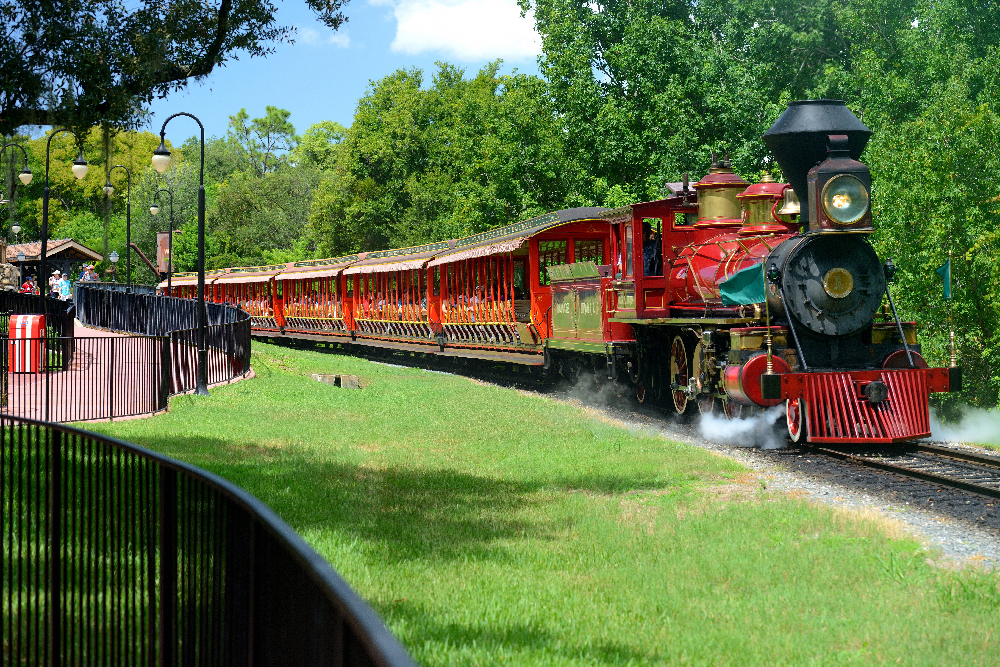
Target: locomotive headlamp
{"points": [[845, 199], [839, 188]]}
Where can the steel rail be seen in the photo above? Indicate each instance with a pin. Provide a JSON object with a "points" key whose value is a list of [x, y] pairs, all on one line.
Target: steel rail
{"points": [[982, 459], [943, 452]]}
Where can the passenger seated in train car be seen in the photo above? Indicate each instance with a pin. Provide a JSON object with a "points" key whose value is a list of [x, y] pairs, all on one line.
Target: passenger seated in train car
{"points": [[652, 251]]}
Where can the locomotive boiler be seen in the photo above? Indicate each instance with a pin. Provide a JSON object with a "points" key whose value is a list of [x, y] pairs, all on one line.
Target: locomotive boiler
{"points": [[723, 296]]}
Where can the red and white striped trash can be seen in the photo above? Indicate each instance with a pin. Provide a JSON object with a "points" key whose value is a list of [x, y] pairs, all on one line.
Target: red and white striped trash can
{"points": [[26, 348]]}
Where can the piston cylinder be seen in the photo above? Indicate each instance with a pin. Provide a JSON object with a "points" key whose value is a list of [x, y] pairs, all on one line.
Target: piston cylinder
{"points": [[742, 382]]}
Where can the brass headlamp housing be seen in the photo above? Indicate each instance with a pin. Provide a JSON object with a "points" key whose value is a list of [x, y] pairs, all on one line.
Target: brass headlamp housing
{"points": [[840, 191]]}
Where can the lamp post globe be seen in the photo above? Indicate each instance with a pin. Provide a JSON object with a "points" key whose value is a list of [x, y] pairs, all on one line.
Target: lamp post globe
{"points": [[154, 209], [80, 166], [108, 189], [25, 176], [16, 228], [161, 157]]}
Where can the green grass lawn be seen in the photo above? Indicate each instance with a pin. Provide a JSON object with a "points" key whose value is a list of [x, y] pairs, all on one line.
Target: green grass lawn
{"points": [[488, 526]]}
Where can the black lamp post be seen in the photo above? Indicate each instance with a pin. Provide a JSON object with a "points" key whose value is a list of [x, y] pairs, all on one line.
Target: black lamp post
{"points": [[110, 190], [155, 209], [25, 177], [161, 161], [79, 170]]}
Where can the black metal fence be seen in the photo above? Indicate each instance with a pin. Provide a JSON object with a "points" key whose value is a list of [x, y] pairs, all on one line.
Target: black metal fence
{"points": [[59, 314], [64, 378], [147, 314], [113, 555]]}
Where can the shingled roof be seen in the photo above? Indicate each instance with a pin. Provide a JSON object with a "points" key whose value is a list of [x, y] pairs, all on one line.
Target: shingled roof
{"points": [[56, 248]]}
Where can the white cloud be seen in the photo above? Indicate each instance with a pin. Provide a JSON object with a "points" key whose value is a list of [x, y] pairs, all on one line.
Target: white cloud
{"points": [[314, 37], [468, 30], [340, 39]]}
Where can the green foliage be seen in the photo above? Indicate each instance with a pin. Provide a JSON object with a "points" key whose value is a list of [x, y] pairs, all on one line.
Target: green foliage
{"points": [[319, 146], [262, 144], [253, 215], [454, 158]]}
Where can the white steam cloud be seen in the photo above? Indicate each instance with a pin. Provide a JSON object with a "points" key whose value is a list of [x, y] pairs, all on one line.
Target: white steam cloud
{"points": [[975, 426], [757, 431]]}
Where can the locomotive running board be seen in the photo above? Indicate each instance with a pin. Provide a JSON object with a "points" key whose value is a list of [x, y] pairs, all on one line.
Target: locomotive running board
{"points": [[838, 411]]}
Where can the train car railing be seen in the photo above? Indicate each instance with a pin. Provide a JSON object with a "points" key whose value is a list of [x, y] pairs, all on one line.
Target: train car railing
{"points": [[114, 555]]}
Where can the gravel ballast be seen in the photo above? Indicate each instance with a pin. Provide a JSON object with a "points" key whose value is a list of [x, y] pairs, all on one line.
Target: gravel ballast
{"points": [[963, 527]]}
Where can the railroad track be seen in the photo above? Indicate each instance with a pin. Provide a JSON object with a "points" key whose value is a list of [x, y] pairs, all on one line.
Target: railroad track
{"points": [[977, 473]]}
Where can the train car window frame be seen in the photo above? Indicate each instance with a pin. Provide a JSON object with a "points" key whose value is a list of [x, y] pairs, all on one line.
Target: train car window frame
{"points": [[549, 255], [628, 251], [584, 250]]}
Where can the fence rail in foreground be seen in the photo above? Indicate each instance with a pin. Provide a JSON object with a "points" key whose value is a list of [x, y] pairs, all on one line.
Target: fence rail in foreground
{"points": [[114, 555]]}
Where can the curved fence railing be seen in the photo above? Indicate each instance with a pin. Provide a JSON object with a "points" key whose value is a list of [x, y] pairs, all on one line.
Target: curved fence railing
{"points": [[58, 376], [122, 287], [227, 338], [114, 555], [146, 313]]}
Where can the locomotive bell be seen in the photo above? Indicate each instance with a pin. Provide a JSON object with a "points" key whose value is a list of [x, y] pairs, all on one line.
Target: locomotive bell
{"points": [[790, 205], [760, 202]]}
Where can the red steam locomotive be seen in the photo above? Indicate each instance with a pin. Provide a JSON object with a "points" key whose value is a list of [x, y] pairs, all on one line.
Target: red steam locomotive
{"points": [[724, 296]]}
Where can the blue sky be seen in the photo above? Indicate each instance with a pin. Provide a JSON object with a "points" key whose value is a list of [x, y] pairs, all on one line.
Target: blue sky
{"points": [[322, 75]]}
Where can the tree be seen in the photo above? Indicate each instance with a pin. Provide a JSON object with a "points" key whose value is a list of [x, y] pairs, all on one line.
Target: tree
{"points": [[456, 158], [85, 62], [262, 144], [319, 145], [253, 217]]}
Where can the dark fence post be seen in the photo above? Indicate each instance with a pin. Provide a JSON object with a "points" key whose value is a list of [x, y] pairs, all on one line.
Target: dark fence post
{"points": [[168, 568], [164, 343], [55, 546], [111, 380]]}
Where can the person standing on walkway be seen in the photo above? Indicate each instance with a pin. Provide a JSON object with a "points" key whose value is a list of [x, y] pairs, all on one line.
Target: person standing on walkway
{"points": [[65, 289], [54, 283]]}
